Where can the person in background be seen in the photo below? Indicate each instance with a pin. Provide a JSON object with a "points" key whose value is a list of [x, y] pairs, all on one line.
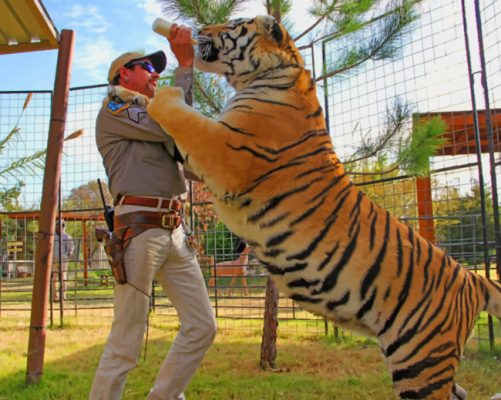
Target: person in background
{"points": [[146, 181], [63, 251]]}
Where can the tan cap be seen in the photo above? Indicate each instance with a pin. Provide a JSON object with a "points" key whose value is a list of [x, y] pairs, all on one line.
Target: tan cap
{"points": [[157, 59]]}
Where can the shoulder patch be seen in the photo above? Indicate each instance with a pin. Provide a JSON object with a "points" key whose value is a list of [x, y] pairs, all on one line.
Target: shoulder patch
{"points": [[136, 114], [115, 107]]}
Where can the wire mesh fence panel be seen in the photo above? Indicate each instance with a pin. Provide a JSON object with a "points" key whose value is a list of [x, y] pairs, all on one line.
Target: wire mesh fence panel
{"points": [[427, 81]]}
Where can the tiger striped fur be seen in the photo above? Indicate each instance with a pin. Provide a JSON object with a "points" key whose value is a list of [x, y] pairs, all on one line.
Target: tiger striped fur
{"points": [[277, 183]]}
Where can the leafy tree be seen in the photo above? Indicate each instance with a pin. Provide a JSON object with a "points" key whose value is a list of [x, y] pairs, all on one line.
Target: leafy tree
{"points": [[29, 165], [9, 193], [332, 18]]}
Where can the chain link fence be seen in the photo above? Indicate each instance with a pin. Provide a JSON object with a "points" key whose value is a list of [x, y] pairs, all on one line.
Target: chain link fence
{"points": [[434, 76]]}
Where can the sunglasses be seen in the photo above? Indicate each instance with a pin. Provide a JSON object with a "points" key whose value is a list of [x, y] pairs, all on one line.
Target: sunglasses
{"points": [[146, 65]]}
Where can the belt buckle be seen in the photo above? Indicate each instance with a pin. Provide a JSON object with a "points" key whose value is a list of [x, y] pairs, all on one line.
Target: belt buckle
{"points": [[166, 222]]}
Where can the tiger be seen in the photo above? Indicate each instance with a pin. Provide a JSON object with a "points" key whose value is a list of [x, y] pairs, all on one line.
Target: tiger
{"points": [[277, 183]]}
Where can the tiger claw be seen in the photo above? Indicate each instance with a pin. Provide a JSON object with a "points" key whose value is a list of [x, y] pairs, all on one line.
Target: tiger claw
{"points": [[458, 393]]}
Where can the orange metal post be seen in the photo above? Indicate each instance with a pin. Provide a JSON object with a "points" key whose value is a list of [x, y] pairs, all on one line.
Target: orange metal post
{"points": [[425, 208], [45, 240]]}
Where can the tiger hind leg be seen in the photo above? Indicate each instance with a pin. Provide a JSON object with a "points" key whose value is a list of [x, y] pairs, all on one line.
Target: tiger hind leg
{"points": [[427, 374]]}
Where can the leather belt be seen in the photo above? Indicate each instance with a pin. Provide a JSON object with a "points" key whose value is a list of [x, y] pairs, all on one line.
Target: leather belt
{"points": [[138, 221], [169, 204]]}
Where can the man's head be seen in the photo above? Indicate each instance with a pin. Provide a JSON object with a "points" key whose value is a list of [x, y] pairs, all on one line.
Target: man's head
{"points": [[60, 224], [138, 72]]}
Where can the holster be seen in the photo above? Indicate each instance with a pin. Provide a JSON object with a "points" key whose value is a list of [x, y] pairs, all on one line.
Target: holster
{"points": [[115, 250], [128, 226]]}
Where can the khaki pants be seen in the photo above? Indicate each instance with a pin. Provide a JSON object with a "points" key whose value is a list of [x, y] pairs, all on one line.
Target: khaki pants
{"points": [[55, 279], [163, 255]]}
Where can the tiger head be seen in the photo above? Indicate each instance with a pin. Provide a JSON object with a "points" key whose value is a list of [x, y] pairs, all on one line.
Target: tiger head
{"points": [[245, 48]]}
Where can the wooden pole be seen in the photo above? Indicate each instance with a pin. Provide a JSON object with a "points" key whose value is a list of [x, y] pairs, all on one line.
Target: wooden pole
{"points": [[270, 327], [48, 210], [85, 253]]}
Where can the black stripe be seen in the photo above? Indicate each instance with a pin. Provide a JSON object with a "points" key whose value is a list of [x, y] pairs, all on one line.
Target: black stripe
{"points": [[331, 280], [404, 292], [306, 299], [367, 306], [324, 169], [417, 368], [280, 86], [371, 210], [331, 305], [275, 201], [273, 253], [374, 270], [418, 252], [419, 305], [372, 235], [275, 270], [330, 185], [278, 239], [275, 220], [237, 130], [457, 268], [400, 253], [426, 267], [441, 271], [318, 150], [304, 138], [268, 174], [329, 255], [303, 283], [355, 213], [409, 334], [253, 152], [436, 331], [308, 212], [426, 391], [318, 239], [267, 101], [314, 114]]}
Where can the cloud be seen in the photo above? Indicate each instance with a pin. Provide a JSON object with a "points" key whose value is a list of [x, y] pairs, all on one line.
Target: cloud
{"points": [[152, 8], [87, 20], [94, 58], [93, 48]]}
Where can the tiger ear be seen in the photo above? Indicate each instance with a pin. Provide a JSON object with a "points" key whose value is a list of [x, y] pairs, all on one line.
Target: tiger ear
{"points": [[273, 28], [277, 33]]}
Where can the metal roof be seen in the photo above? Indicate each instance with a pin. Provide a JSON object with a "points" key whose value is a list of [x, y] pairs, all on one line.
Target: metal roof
{"points": [[25, 25]]}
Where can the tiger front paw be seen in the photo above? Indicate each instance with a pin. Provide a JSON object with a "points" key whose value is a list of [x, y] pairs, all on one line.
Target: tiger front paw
{"points": [[164, 101], [129, 96]]}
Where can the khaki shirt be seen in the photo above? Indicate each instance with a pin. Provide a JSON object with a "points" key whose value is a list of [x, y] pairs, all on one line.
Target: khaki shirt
{"points": [[137, 153]]}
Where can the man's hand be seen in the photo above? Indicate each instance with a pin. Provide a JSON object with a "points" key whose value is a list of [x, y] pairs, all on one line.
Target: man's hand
{"points": [[181, 45]]}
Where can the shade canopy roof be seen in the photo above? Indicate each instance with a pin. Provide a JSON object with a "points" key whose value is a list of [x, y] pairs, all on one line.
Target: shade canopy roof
{"points": [[460, 133], [26, 26]]}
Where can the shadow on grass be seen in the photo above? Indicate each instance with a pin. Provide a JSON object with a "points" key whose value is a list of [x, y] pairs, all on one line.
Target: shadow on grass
{"points": [[316, 370], [229, 371]]}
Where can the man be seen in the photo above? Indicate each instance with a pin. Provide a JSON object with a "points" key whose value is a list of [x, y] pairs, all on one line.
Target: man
{"points": [[145, 181], [63, 250]]}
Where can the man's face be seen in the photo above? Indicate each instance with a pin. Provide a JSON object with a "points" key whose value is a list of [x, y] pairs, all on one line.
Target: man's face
{"points": [[140, 77]]}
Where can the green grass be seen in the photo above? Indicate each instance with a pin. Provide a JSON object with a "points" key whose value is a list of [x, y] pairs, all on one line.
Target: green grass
{"points": [[347, 367]]}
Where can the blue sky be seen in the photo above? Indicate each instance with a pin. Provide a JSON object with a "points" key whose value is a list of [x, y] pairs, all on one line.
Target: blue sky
{"points": [[103, 30]]}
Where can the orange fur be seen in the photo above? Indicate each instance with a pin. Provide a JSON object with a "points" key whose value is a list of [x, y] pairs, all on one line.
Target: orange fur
{"points": [[277, 183]]}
